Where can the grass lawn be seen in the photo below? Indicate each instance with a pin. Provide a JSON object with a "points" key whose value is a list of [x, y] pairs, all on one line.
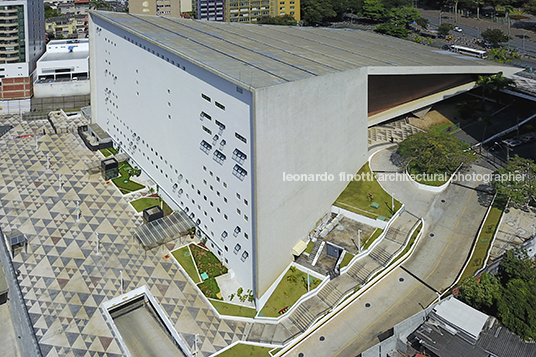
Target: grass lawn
{"points": [[207, 262], [184, 257], [444, 128], [123, 182], [243, 350], [310, 246], [108, 152], [484, 241], [210, 288], [232, 309], [146, 202], [359, 195], [347, 259], [433, 182], [288, 291], [377, 232]]}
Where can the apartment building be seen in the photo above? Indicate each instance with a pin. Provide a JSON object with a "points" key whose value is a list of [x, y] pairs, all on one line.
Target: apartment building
{"points": [[22, 42]]}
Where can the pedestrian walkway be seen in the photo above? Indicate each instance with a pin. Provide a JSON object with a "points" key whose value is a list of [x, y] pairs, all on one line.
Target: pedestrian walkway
{"points": [[394, 131], [63, 279]]}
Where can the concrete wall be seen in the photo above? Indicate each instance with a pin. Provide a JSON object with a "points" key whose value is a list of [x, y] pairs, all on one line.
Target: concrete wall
{"points": [[65, 102], [155, 116], [313, 126], [15, 106], [397, 342], [62, 89]]}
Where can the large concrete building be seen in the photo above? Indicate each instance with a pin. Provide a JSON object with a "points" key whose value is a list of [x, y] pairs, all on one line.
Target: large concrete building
{"points": [[218, 114], [171, 8], [22, 42]]}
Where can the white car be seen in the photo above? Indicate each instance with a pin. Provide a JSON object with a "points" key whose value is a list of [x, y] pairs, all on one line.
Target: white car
{"points": [[458, 29]]}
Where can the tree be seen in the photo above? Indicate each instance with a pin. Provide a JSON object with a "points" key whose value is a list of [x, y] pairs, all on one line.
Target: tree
{"points": [[374, 10], [494, 36], [517, 308], [50, 12], [434, 153], [501, 55], [285, 20], [315, 11], [494, 82], [391, 29], [444, 29], [482, 293], [517, 181], [99, 5]]}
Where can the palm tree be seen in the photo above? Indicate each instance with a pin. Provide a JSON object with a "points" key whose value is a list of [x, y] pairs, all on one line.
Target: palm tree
{"points": [[495, 82], [486, 83]]}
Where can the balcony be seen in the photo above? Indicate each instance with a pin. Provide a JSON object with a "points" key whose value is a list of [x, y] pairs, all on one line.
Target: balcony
{"points": [[9, 51], [8, 31], [7, 10], [5, 58]]}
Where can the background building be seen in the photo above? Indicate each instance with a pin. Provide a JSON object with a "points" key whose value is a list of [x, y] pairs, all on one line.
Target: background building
{"points": [[22, 41], [63, 70], [218, 114], [285, 7], [172, 8]]}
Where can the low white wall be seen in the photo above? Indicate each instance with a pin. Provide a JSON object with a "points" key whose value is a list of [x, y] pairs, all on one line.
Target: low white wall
{"points": [[360, 218], [143, 290], [61, 89], [429, 188], [15, 106]]}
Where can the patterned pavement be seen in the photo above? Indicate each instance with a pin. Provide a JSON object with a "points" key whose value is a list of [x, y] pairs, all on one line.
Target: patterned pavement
{"points": [[62, 278]]}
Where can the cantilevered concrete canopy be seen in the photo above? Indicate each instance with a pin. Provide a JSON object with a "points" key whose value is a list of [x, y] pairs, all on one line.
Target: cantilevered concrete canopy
{"points": [[258, 56]]}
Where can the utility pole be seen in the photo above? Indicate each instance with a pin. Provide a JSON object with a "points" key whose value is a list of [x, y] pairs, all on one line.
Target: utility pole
{"points": [[359, 241]]}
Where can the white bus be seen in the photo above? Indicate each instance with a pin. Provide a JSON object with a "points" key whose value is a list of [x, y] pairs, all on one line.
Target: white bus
{"points": [[469, 51]]}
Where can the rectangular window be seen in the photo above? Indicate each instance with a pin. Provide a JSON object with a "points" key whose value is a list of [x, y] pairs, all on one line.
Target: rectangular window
{"points": [[207, 130], [241, 138], [221, 106], [220, 125], [206, 97], [219, 157], [239, 90], [239, 172], [204, 115], [239, 156], [205, 147]]}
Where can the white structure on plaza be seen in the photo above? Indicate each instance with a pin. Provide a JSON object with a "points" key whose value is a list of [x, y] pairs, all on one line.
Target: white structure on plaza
{"points": [[63, 70], [220, 114], [22, 42]]}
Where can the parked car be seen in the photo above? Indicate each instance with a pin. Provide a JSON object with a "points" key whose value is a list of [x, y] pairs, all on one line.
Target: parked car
{"points": [[527, 138], [512, 142]]}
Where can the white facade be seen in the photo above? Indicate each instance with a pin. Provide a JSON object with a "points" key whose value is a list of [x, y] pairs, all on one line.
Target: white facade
{"points": [[63, 70], [162, 126], [218, 125]]}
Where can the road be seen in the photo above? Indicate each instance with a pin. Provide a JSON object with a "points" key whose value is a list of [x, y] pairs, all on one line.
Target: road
{"points": [[523, 40], [452, 219]]}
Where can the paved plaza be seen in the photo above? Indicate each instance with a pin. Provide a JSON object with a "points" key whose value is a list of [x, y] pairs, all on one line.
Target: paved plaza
{"points": [[63, 279]]}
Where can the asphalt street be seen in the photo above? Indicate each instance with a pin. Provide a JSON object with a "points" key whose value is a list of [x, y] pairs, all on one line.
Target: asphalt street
{"points": [[452, 219]]}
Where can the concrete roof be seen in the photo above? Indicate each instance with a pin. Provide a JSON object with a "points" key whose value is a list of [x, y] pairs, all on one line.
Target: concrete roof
{"points": [[64, 56], [462, 316], [264, 55]]}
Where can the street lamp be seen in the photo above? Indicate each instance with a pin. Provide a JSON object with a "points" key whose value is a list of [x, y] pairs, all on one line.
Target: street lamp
{"points": [[359, 241]]}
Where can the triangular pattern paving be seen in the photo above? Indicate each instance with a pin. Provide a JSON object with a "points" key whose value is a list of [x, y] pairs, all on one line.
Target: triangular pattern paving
{"points": [[62, 278]]}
